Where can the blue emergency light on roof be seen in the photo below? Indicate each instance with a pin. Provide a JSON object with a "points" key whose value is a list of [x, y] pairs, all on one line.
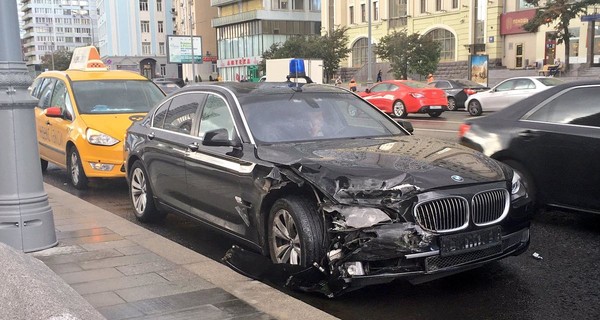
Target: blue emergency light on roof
{"points": [[297, 68]]}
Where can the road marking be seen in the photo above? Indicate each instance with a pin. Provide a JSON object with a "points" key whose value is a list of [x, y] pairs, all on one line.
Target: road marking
{"points": [[436, 130], [436, 121]]}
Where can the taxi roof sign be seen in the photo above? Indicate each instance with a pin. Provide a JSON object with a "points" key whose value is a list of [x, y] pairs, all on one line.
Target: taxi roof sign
{"points": [[87, 58]]}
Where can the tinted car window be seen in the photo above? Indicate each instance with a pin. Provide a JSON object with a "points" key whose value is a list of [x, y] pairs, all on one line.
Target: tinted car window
{"points": [[443, 85], [182, 113], [115, 96], [414, 84], [216, 115], [505, 86], [380, 87], [523, 84], [550, 81], [46, 93], [159, 115], [578, 106], [469, 83]]}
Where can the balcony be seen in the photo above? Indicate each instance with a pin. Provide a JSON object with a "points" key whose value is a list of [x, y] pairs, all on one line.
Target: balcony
{"points": [[220, 3], [265, 15]]}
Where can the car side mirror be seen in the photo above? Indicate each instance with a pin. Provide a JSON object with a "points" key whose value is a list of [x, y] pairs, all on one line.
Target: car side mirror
{"points": [[406, 125], [54, 112], [220, 138], [367, 90]]}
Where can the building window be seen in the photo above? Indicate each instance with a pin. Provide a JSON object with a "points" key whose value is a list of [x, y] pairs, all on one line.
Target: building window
{"points": [[146, 49], [143, 5], [159, 5], [161, 48], [438, 5], [376, 10], [363, 13], [145, 26], [351, 12], [447, 43], [315, 5], [454, 4], [359, 52], [280, 4], [298, 4], [161, 27], [423, 6], [163, 70], [521, 4]]}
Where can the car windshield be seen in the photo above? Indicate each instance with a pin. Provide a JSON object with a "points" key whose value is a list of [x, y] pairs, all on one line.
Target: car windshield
{"points": [[550, 81], [314, 116], [115, 96], [469, 83], [414, 84]]}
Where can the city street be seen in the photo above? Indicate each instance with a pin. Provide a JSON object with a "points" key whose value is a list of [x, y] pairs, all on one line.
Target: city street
{"points": [[562, 284]]}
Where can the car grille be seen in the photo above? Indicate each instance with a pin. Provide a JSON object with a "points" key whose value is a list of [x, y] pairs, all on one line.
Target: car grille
{"points": [[437, 263], [443, 215], [489, 207], [453, 213]]}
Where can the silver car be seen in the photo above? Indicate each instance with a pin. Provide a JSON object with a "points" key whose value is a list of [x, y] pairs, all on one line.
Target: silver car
{"points": [[508, 92]]}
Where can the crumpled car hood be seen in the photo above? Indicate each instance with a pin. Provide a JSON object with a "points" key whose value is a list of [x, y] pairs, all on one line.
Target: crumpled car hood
{"points": [[365, 167]]}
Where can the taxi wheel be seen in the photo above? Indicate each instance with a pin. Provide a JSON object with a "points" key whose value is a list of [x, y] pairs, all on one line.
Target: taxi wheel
{"points": [[78, 178], [452, 104], [141, 195], [474, 108], [295, 232], [399, 109], [44, 164]]}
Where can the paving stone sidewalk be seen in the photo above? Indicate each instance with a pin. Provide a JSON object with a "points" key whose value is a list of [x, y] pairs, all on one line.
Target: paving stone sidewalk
{"points": [[128, 272]]}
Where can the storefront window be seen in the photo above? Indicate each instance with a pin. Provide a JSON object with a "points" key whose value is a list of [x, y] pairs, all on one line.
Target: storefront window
{"points": [[574, 43]]}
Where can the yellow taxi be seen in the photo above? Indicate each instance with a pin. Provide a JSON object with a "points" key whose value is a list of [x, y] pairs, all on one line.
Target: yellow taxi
{"points": [[83, 114]]}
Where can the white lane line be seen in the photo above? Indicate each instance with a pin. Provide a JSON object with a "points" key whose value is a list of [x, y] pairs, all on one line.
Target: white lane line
{"points": [[436, 130], [435, 121]]}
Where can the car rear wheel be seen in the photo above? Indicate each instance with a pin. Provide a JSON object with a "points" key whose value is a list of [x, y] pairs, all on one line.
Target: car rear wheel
{"points": [[141, 195], [434, 114], [526, 178], [399, 109], [295, 232], [452, 104], [78, 177], [44, 165], [474, 108]]}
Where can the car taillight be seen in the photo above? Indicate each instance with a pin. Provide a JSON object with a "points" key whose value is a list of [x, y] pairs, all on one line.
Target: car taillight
{"points": [[417, 95], [470, 91], [464, 128]]}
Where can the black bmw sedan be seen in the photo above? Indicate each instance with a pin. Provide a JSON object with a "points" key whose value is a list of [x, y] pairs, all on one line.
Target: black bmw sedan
{"points": [[316, 176], [457, 90], [552, 139]]}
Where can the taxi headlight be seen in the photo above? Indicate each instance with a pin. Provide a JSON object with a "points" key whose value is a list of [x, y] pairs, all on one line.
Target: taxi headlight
{"points": [[99, 138]]}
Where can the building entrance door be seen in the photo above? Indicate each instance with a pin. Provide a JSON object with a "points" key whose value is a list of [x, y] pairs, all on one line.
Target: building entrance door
{"points": [[550, 48]]}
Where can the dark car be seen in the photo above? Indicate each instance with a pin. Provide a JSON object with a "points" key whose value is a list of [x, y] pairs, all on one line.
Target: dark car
{"points": [[552, 139], [168, 85], [458, 90], [313, 175]]}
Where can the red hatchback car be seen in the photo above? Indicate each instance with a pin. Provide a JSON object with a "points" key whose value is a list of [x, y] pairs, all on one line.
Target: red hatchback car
{"points": [[401, 97]]}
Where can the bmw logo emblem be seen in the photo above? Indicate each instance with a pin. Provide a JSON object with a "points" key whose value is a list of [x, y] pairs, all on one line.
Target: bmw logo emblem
{"points": [[457, 178]]}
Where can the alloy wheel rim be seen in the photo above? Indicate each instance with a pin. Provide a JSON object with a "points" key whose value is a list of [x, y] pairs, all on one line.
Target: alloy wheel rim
{"points": [[138, 190], [286, 240], [451, 104], [398, 108], [74, 167]]}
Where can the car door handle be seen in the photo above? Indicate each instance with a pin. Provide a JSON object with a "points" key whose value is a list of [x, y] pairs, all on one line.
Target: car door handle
{"points": [[193, 146], [150, 135]]}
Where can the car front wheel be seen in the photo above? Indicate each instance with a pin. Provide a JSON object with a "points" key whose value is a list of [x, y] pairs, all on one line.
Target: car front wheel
{"points": [[474, 108], [78, 178], [452, 104], [141, 195], [295, 232], [399, 109]]}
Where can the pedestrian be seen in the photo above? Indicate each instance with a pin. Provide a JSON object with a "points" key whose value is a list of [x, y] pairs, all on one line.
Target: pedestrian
{"points": [[554, 69], [379, 76], [430, 78], [352, 85], [338, 80]]}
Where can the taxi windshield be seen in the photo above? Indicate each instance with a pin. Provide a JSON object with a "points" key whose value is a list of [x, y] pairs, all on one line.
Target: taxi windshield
{"points": [[115, 96]]}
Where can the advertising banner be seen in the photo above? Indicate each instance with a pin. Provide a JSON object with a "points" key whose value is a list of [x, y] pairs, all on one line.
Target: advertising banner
{"points": [[478, 69], [179, 49]]}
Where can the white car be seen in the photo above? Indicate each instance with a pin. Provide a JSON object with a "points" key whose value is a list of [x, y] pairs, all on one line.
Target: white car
{"points": [[508, 92]]}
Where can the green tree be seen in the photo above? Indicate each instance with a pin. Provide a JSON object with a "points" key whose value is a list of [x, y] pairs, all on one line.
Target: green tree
{"points": [[560, 12], [62, 60], [408, 53]]}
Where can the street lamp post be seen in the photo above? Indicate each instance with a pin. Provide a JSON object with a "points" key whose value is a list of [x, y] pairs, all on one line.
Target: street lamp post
{"points": [[26, 220], [192, 40], [369, 49]]}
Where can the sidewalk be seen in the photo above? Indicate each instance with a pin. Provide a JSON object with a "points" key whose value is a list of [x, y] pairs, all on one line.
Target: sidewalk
{"points": [[127, 272]]}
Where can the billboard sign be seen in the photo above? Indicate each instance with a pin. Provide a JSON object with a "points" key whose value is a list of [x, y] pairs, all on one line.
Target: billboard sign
{"points": [[179, 49], [478, 64]]}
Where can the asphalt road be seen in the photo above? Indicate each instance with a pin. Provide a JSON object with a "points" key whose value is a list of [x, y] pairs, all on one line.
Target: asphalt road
{"points": [[565, 284]]}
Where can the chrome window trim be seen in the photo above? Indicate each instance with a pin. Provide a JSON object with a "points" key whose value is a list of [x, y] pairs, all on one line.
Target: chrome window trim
{"points": [[465, 224], [504, 213], [242, 115], [237, 130]]}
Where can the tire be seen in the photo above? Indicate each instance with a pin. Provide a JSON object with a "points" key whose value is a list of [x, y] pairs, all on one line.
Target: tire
{"points": [[295, 232], [399, 109], [474, 108], [141, 195], [452, 104], [434, 114], [44, 165], [78, 178], [526, 178]]}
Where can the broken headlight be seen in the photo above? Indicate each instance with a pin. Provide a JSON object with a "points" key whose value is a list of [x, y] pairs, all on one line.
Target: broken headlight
{"points": [[362, 217], [517, 189]]}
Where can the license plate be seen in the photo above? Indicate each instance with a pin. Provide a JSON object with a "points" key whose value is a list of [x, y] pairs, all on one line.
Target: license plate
{"points": [[435, 107], [470, 241]]}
